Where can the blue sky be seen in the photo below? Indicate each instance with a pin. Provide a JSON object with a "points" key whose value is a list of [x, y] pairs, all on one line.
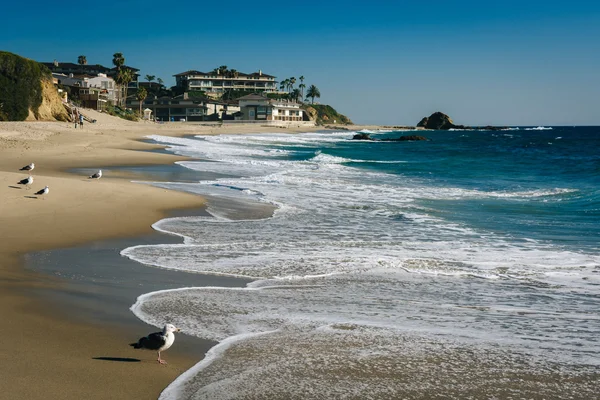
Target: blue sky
{"points": [[378, 62]]}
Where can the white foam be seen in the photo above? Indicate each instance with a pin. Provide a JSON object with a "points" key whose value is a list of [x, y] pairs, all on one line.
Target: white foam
{"points": [[348, 246]]}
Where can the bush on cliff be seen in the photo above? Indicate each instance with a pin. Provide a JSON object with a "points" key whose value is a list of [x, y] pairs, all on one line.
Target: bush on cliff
{"points": [[20, 86], [325, 114]]}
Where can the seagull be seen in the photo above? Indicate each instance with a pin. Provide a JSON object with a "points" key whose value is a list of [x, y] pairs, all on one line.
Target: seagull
{"points": [[159, 341], [97, 175], [28, 167], [27, 181], [43, 191]]}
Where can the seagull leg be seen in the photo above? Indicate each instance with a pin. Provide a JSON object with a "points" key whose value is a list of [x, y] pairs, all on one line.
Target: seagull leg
{"points": [[160, 360]]}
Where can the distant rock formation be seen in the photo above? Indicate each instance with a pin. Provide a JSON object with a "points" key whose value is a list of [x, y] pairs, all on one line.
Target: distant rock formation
{"points": [[408, 138], [440, 121], [437, 121]]}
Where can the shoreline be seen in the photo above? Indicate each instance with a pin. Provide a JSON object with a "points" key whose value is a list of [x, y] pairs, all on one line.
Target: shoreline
{"points": [[50, 355]]}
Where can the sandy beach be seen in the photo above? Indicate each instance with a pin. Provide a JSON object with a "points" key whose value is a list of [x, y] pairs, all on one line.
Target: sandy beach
{"points": [[53, 353]]}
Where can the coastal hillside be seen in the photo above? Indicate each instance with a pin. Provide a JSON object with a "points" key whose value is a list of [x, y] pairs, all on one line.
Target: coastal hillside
{"points": [[324, 114], [27, 91]]}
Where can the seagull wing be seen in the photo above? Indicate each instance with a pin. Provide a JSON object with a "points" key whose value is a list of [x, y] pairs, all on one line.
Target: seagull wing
{"points": [[153, 341]]}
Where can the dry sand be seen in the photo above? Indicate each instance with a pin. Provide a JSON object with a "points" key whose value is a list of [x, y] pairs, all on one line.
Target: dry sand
{"points": [[46, 352]]}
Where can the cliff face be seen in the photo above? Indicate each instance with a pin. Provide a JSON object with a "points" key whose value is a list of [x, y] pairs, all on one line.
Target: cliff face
{"points": [[26, 91], [52, 108]]}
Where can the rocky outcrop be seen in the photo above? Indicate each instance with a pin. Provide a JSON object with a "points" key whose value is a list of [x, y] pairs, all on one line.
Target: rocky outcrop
{"points": [[325, 114], [437, 121], [407, 138], [440, 121]]}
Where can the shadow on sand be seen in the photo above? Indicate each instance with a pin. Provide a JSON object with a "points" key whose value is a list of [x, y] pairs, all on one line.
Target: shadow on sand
{"points": [[118, 359]]}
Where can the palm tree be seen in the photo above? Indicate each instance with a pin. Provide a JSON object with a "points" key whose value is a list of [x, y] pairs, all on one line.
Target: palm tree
{"points": [[313, 92], [295, 94], [118, 60], [292, 82], [150, 78], [301, 86], [160, 81], [124, 76], [283, 84], [141, 96], [82, 60]]}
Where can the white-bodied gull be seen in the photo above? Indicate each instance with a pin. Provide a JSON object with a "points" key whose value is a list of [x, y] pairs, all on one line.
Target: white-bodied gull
{"points": [[97, 175], [158, 341], [28, 167], [27, 181], [43, 191]]}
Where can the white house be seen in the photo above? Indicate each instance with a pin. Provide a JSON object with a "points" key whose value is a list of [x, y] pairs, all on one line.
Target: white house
{"points": [[255, 107], [104, 83]]}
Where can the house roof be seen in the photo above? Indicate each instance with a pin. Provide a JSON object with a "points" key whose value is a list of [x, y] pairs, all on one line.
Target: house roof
{"points": [[68, 66], [212, 73], [253, 97], [87, 68]]}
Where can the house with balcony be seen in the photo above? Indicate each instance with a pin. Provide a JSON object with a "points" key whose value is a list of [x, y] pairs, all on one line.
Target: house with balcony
{"points": [[105, 83], [215, 83], [255, 107], [174, 109]]}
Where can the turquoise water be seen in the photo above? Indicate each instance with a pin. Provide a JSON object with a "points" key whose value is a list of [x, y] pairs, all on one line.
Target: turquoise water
{"points": [[478, 249]]}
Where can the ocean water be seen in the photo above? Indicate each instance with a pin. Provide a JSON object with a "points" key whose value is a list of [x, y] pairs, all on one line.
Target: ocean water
{"points": [[467, 266]]}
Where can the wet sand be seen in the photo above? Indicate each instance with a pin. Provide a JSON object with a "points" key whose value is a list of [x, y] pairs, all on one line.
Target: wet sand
{"points": [[65, 339]]}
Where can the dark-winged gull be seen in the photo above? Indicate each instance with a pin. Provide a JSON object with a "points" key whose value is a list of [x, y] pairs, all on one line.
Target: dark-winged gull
{"points": [[27, 181], [97, 175], [158, 341], [43, 191], [28, 167]]}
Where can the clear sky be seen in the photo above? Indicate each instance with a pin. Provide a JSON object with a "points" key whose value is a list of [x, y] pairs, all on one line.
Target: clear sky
{"points": [[501, 62]]}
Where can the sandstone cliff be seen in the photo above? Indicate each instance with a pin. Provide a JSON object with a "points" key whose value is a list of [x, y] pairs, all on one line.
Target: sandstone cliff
{"points": [[52, 108], [27, 92]]}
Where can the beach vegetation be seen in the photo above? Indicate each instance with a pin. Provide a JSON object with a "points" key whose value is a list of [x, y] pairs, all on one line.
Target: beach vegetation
{"points": [[150, 78], [125, 113], [82, 60], [20, 86]]}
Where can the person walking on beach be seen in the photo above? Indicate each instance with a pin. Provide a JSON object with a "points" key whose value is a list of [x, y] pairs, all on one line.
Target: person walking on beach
{"points": [[75, 117], [81, 120]]}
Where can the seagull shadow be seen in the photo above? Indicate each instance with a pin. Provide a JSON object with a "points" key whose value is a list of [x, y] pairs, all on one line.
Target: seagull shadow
{"points": [[31, 197], [15, 187], [118, 359]]}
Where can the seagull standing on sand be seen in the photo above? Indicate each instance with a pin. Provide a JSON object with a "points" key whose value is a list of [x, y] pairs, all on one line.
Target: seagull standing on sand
{"points": [[43, 191], [27, 181], [158, 341], [97, 175], [28, 167]]}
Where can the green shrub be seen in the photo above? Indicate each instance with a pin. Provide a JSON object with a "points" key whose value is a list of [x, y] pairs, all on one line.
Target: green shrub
{"points": [[20, 86]]}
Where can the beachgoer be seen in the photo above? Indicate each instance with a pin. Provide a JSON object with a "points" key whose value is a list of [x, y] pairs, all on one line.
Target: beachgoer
{"points": [[81, 120], [75, 118]]}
